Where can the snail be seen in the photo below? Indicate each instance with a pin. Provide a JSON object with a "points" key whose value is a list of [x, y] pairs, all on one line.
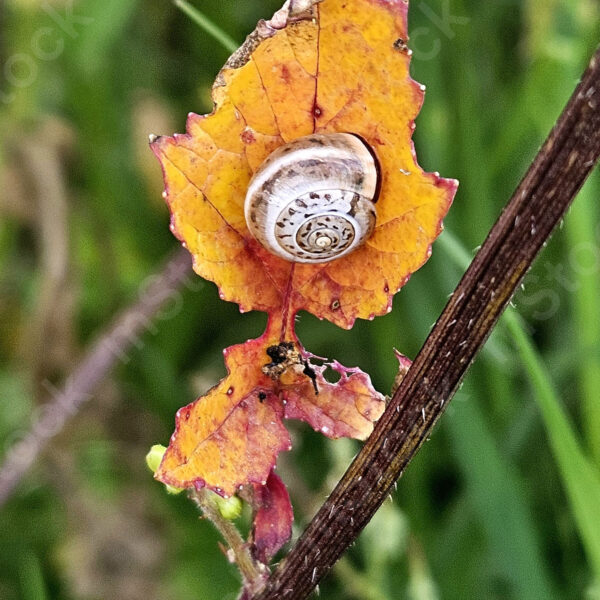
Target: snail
{"points": [[313, 199]]}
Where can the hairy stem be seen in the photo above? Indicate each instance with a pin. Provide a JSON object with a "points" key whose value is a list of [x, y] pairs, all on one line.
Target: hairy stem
{"points": [[538, 204], [253, 572]]}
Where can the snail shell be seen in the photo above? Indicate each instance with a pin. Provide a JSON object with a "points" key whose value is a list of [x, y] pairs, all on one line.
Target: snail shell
{"points": [[312, 200]]}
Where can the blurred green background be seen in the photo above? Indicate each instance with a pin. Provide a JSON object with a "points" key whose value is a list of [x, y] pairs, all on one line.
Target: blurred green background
{"points": [[499, 504]]}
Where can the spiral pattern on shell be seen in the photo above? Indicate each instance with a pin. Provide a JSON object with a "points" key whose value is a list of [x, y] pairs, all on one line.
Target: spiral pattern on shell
{"points": [[312, 200]]}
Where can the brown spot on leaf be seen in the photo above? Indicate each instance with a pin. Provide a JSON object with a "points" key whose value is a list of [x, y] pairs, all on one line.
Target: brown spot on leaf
{"points": [[248, 136]]}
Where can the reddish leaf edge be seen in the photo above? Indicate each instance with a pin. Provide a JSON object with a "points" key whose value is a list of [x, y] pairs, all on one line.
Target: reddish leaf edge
{"points": [[448, 185]]}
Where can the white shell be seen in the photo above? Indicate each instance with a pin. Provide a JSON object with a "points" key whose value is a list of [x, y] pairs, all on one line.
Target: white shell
{"points": [[312, 200]]}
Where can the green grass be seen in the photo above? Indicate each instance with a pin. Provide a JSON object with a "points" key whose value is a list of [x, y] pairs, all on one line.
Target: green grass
{"points": [[207, 25], [579, 476], [501, 503]]}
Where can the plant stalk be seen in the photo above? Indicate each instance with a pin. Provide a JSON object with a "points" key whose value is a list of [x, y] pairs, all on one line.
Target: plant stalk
{"points": [[253, 572]]}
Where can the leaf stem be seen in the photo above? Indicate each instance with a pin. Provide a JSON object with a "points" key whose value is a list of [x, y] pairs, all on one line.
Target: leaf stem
{"points": [[253, 573], [209, 27]]}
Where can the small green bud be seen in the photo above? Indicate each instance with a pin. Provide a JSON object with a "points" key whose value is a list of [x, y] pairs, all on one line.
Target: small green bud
{"points": [[153, 460], [173, 490], [229, 508], [154, 457]]}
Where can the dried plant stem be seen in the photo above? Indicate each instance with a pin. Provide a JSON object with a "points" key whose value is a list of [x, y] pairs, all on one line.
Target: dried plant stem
{"points": [[110, 349], [538, 204]]}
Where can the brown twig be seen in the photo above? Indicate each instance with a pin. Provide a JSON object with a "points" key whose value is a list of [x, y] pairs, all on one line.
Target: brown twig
{"points": [[51, 325], [538, 204], [111, 348]]}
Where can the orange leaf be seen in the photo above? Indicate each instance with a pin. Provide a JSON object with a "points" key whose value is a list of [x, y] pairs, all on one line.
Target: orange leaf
{"points": [[341, 67], [231, 437]]}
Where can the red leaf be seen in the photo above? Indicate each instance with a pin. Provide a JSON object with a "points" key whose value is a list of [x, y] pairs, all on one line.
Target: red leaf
{"points": [[342, 409], [273, 518]]}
